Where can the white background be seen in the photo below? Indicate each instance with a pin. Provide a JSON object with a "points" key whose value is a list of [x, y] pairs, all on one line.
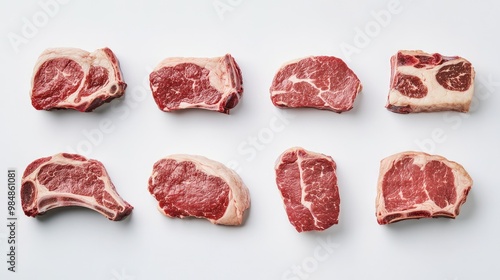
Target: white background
{"points": [[78, 243]]}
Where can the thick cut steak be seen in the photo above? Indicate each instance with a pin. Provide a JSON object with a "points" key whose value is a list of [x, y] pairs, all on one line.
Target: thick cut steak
{"points": [[321, 82], [422, 82], [415, 185], [195, 186], [70, 180], [307, 182], [71, 78], [207, 83]]}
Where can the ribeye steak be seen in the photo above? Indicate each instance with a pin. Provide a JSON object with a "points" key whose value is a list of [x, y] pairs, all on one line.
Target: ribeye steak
{"points": [[307, 182], [71, 78], [195, 186], [415, 185], [422, 82], [70, 180], [321, 82], [207, 83]]}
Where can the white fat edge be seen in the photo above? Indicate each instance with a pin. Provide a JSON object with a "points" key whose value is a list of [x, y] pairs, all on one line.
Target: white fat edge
{"points": [[428, 206], [187, 105], [220, 77], [88, 201]]}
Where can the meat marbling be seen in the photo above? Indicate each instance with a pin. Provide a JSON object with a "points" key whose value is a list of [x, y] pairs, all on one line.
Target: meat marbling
{"points": [[423, 82], [307, 182], [70, 180], [72, 78], [415, 185], [321, 82], [195, 186]]}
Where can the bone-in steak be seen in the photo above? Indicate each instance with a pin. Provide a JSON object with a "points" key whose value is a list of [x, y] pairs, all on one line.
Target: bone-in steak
{"points": [[321, 82], [70, 180], [422, 82], [307, 182], [195, 186], [71, 78], [206, 83], [415, 185]]}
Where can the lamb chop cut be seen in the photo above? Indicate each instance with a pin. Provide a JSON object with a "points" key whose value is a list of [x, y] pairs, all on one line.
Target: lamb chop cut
{"points": [[70, 180]]}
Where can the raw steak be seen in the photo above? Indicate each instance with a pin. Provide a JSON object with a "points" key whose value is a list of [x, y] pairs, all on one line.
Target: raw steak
{"points": [[207, 83], [71, 78], [415, 185], [195, 186], [307, 182], [422, 82], [70, 180], [321, 82]]}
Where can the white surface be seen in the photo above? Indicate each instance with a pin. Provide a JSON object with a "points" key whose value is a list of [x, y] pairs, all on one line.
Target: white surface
{"points": [[261, 35]]}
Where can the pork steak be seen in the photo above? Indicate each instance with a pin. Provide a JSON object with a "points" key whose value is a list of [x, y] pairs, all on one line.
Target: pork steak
{"points": [[321, 82], [422, 82], [307, 182], [70, 180], [415, 185], [71, 78], [195, 186], [213, 84]]}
